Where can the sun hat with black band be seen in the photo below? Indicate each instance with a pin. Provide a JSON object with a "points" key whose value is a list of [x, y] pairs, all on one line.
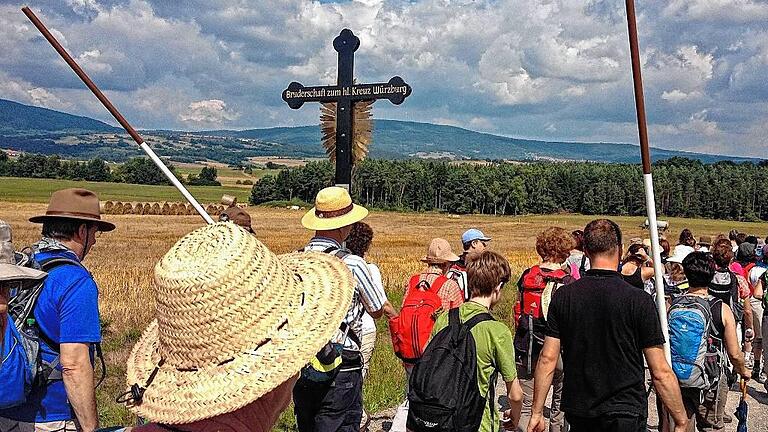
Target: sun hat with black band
{"points": [[234, 321], [333, 209], [75, 204]]}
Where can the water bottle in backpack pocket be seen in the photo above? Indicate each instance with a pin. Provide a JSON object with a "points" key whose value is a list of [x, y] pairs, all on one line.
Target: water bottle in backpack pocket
{"points": [[17, 370], [696, 353]]}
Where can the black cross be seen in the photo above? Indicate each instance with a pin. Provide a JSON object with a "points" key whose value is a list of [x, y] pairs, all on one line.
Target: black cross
{"points": [[345, 93]]}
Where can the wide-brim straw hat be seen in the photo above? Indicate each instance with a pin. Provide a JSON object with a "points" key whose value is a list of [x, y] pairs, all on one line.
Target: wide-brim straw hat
{"points": [[439, 252], [9, 271], [234, 321], [78, 204], [333, 209]]}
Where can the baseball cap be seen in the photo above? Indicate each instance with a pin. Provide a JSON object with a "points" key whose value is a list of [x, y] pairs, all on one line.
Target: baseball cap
{"points": [[472, 235]]}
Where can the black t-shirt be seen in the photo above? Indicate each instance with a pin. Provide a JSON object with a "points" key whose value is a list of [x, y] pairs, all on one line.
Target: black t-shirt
{"points": [[603, 324]]}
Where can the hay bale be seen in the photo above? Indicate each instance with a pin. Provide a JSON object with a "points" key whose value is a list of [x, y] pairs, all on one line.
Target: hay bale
{"points": [[147, 208], [118, 208], [155, 209], [105, 206], [191, 210], [127, 208], [166, 209]]}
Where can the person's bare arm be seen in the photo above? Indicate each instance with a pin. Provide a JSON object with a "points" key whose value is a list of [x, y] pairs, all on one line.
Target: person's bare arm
{"points": [[77, 373], [542, 380], [389, 310], [647, 273], [515, 396], [732, 343], [666, 385]]}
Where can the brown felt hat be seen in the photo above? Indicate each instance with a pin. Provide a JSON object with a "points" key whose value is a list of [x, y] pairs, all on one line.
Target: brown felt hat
{"points": [[238, 216], [78, 204]]}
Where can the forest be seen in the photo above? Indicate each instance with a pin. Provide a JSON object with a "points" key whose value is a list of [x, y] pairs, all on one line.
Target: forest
{"points": [[684, 187], [135, 170]]}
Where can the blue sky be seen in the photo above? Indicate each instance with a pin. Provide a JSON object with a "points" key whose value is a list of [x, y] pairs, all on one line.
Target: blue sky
{"points": [[544, 69]]}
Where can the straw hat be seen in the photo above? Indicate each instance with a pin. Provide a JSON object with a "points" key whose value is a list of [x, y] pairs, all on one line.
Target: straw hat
{"points": [[439, 252], [234, 321], [238, 216], [9, 271], [333, 209], [79, 204]]}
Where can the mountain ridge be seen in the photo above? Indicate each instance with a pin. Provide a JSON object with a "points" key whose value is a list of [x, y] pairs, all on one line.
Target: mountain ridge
{"points": [[51, 132]]}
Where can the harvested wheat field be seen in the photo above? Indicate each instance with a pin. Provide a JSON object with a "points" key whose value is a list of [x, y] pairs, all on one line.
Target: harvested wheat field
{"points": [[122, 263]]}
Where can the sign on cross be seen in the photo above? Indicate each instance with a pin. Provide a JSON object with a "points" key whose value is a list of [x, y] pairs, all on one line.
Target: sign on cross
{"points": [[345, 93]]}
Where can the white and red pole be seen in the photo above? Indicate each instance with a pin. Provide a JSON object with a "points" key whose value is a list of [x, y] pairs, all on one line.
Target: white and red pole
{"points": [[650, 198], [115, 113]]}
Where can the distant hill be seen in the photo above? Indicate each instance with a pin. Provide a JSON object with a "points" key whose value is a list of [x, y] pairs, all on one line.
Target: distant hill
{"points": [[16, 117], [394, 139], [41, 130]]}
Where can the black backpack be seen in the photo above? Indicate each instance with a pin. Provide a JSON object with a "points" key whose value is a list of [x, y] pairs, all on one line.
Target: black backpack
{"points": [[443, 391], [727, 292]]}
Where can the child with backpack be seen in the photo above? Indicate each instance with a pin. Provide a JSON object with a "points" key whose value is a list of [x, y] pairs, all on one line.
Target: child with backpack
{"points": [[536, 286], [452, 387], [427, 295], [702, 330]]}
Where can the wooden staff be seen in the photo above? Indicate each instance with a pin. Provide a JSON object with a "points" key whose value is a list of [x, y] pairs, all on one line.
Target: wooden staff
{"points": [[650, 198], [115, 113]]}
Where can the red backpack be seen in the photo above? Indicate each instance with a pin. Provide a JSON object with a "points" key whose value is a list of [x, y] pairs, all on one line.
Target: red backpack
{"points": [[411, 329], [530, 321]]}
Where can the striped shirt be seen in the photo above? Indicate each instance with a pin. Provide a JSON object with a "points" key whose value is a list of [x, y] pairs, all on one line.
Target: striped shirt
{"points": [[450, 294], [367, 296]]}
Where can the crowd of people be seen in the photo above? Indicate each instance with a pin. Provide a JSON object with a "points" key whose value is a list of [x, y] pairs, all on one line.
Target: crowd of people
{"points": [[241, 332]]}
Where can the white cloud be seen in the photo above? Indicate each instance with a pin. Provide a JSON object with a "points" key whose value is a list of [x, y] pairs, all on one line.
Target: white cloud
{"points": [[739, 11], [676, 95], [697, 124], [522, 65], [208, 112]]}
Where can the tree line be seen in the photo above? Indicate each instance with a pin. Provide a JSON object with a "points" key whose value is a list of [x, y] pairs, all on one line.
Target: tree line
{"points": [[684, 187], [135, 170]]}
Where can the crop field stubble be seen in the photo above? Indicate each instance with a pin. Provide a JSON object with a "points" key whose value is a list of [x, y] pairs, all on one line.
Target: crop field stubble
{"points": [[122, 263]]}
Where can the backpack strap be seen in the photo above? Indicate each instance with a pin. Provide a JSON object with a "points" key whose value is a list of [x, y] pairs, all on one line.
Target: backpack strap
{"points": [[438, 283], [583, 265], [477, 319]]}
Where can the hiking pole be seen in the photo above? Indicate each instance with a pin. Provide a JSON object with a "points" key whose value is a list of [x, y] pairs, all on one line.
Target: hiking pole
{"points": [[115, 113], [650, 198]]}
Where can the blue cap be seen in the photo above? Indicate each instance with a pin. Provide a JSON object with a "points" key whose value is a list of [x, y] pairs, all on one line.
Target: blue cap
{"points": [[472, 235]]}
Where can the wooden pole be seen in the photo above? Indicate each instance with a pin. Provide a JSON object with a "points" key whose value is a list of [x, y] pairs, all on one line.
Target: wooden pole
{"points": [[650, 199], [115, 113]]}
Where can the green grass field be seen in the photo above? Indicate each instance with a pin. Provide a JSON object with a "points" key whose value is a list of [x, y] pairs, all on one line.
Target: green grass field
{"points": [[14, 189]]}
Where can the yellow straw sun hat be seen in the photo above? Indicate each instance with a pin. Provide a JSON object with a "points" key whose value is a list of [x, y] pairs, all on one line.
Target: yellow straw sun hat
{"points": [[234, 321], [333, 209]]}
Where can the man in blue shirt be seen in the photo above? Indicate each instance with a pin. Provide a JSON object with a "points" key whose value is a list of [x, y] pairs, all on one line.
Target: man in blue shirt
{"points": [[67, 315]]}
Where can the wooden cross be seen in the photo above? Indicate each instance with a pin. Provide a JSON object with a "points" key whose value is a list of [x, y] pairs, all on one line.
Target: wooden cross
{"points": [[345, 93]]}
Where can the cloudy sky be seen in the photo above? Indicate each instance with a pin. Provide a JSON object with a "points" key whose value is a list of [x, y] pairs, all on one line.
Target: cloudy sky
{"points": [[555, 69]]}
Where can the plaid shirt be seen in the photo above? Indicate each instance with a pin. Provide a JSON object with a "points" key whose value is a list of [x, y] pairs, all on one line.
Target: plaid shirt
{"points": [[367, 295], [450, 294]]}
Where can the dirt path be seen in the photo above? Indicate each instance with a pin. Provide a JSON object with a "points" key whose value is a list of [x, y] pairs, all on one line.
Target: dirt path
{"points": [[758, 410]]}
